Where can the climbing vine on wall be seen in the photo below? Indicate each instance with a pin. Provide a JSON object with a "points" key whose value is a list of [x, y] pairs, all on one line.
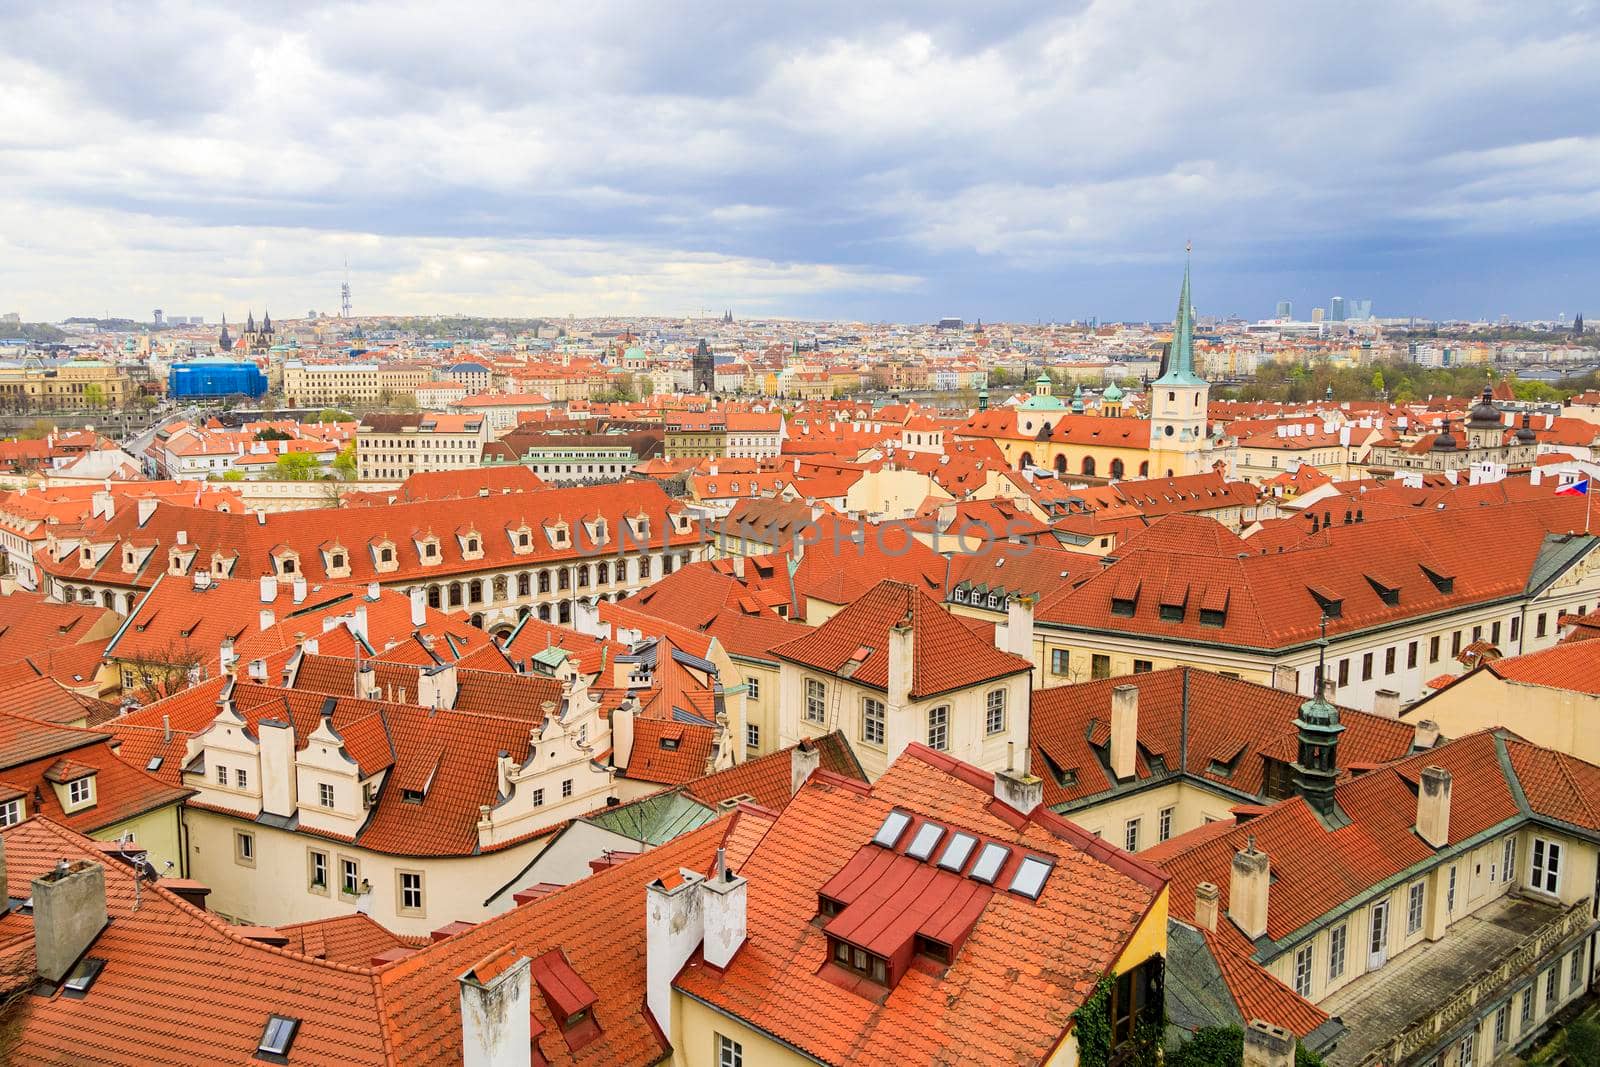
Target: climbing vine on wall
{"points": [[1092, 1025]]}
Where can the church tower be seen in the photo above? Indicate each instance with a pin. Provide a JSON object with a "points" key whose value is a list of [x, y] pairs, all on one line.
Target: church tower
{"points": [[1178, 400], [225, 340]]}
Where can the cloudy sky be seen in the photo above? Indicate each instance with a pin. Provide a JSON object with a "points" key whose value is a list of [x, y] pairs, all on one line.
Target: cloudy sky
{"points": [[880, 161]]}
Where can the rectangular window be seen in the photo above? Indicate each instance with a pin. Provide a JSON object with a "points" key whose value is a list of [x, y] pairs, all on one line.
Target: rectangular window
{"points": [[244, 848], [222, 775], [994, 717], [1164, 824], [1130, 835], [1411, 656], [1527, 1009], [317, 862], [1575, 970], [1414, 908], [939, 728], [349, 877], [1545, 872], [1455, 643], [410, 891], [80, 791], [1494, 633], [872, 721], [752, 686], [1538, 625], [538, 798], [1366, 667], [752, 735], [1388, 660], [1467, 1047], [1302, 970], [241, 778], [1336, 946], [1142, 666], [729, 1052], [325, 794], [1552, 987], [1508, 862], [1516, 626], [1100, 667], [1450, 893], [1502, 1026], [816, 701], [566, 788], [1344, 673], [1060, 661], [10, 813], [1433, 649]]}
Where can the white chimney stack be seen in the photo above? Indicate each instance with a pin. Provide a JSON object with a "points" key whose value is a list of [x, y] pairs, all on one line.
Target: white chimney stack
{"points": [[299, 588], [1248, 886], [419, 608], [674, 922], [278, 773], [1206, 896], [803, 758], [1124, 731], [496, 999], [69, 911], [269, 589], [723, 903], [1433, 807]]}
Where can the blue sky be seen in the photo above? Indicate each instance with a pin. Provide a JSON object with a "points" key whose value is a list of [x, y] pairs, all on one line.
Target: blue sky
{"points": [[884, 161]]}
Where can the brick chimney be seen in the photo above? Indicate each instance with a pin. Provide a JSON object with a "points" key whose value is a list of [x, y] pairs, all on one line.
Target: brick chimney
{"points": [[1124, 731], [1266, 1045], [1433, 806], [1206, 896], [1248, 885], [803, 759], [902, 658], [69, 911], [496, 995]]}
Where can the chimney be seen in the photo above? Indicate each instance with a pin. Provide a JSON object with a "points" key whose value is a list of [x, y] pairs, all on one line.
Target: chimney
{"points": [[1386, 702], [622, 732], [258, 671], [436, 687], [373, 592], [225, 655], [723, 902], [803, 759], [419, 608], [367, 683], [299, 590], [1124, 731], [902, 657], [1019, 627], [1425, 735], [1266, 1045], [278, 774], [738, 566], [496, 1003], [166, 729], [269, 589], [1286, 679], [101, 505], [674, 922], [1206, 896], [1248, 884], [1433, 806], [69, 911]]}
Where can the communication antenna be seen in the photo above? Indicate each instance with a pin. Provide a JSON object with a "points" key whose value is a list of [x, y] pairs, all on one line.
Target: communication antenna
{"points": [[344, 293]]}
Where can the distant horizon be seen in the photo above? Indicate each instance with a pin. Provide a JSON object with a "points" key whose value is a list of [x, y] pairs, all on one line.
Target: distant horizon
{"points": [[894, 162]]}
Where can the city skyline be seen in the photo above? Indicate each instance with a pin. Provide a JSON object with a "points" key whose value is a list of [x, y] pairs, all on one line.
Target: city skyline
{"points": [[894, 164]]}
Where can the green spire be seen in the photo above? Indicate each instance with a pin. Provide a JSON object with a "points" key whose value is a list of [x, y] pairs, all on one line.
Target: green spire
{"points": [[1180, 363]]}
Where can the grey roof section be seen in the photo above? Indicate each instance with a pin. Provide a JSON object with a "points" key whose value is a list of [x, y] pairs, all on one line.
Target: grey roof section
{"points": [[1197, 995], [656, 819], [1559, 552]]}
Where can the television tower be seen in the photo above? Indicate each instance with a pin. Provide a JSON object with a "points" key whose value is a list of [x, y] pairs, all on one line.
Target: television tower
{"points": [[344, 293]]}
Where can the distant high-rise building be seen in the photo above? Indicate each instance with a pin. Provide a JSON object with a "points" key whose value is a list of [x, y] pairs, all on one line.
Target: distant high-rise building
{"points": [[157, 316], [1577, 324], [1316, 314], [1285, 309], [1359, 310], [1336, 309]]}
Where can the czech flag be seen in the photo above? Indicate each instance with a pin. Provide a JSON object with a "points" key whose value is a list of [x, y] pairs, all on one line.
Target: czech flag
{"points": [[1577, 488]]}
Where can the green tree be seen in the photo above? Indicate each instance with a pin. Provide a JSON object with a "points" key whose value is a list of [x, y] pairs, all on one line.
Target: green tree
{"points": [[94, 396], [296, 466], [233, 476], [1583, 1043], [345, 463], [1377, 382]]}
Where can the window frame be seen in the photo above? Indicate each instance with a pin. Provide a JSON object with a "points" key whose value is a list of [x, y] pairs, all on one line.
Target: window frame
{"points": [[244, 848], [402, 892], [1338, 949], [1304, 958], [874, 721], [994, 711], [1545, 859], [312, 856], [816, 698]]}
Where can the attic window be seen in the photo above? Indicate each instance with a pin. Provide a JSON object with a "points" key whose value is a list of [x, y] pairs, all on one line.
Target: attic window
{"points": [[1030, 877], [937, 951], [956, 852], [990, 860], [1172, 612], [670, 744], [412, 796], [154, 764], [923, 843], [1444, 583], [81, 977], [1331, 605], [277, 1038], [827, 907], [1213, 617], [894, 824], [1387, 593]]}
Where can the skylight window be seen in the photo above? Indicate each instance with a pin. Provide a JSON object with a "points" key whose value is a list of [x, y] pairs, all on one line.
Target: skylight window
{"points": [[279, 1035], [1030, 877], [81, 977], [990, 860], [154, 764], [894, 824], [926, 837], [957, 851]]}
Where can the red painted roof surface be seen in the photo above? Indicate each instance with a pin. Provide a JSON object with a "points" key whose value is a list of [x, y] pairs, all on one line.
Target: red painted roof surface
{"points": [[945, 654]]}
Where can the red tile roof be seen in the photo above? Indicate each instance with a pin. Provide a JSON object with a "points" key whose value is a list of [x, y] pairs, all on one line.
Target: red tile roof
{"points": [[945, 654]]}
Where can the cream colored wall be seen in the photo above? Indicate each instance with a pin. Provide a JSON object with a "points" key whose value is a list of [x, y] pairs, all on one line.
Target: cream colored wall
{"points": [[761, 710], [276, 889], [1191, 806], [891, 494], [1561, 719], [156, 832], [697, 1027]]}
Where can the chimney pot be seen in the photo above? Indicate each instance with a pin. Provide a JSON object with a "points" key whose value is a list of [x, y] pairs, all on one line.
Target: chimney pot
{"points": [[1386, 702], [1424, 735], [1206, 897], [1266, 1045]]}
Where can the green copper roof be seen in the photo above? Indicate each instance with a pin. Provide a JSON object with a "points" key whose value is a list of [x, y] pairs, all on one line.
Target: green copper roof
{"points": [[1180, 364], [1112, 392]]}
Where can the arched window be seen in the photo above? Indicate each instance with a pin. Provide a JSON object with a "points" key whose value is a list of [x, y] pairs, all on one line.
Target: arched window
{"points": [[433, 596], [1061, 464], [544, 581], [602, 573], [1025, 461], [583, 576], [524, 584], [563, 579], [475, 591], [564, 616], [455, 594], [544, 612], [109, 599], [1087, 467], [1116, 468], [1144, 469]]}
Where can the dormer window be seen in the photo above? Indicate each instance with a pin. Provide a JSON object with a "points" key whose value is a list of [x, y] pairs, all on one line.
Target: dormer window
{"points": [[80, 792], [860, 962], [336, 561]]}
